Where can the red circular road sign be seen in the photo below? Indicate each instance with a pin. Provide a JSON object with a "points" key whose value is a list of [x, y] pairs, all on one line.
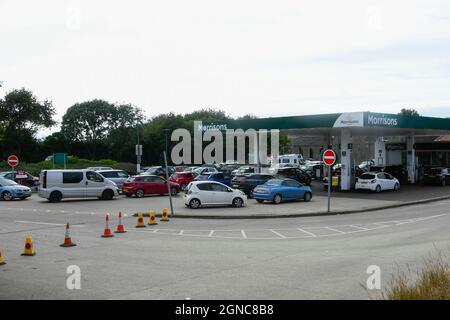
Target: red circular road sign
{"points": [[13, 161], [329, 157]]}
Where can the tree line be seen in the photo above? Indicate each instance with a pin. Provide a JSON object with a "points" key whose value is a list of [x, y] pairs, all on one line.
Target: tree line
{"points": [[95, 129]]}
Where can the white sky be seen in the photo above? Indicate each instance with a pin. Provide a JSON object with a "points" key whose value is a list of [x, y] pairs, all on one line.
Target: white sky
{"points": [[262, 57]]}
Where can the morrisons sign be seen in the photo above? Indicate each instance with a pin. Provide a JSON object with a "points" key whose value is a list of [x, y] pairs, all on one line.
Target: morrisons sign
{"points": [[381, 120]]}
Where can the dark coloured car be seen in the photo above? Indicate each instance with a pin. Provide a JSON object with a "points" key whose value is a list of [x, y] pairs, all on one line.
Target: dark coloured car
{"points": [[437, 176], [248, 182], [294, 173], [160, 171], [148, 184]]}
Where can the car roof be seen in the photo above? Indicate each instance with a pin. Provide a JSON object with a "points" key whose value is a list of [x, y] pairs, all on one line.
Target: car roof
{"points": [[110, 170]]}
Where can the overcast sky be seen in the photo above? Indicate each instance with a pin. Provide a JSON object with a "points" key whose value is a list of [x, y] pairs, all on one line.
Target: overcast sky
{"points": [[268, 58]]}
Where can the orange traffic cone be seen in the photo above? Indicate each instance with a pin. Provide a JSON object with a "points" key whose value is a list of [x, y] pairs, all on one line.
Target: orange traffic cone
{"points": [[165, 215], [120, 228], [2, 261], [67, 239], [29, 248], [152, 220], [107, 233], [140, 222]]}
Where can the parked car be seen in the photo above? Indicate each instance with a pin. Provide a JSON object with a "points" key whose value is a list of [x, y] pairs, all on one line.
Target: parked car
{"points": [[148, 184], [159, 171], [242, 170], [210, 193], [98, 168], [278, 190], [182, 178], [10, 190], [377, 181], [117, 176], [439, 176], [181, 168], [204, 170], [75, 183], [294, 173], [248, 182], [21, 177]]}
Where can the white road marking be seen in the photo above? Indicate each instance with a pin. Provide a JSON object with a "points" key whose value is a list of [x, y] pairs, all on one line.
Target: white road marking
{"points": [[278, 234], [243, 234], [180, 233], [358, 227], [211, 233], [307, 232], [335, 230]]}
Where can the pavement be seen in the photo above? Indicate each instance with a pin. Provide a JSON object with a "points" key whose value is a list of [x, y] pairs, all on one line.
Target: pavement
{"points": [[324, 257]]}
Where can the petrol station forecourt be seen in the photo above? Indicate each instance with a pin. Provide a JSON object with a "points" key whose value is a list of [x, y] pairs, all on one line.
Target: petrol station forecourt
{"points": [[338, 131]]}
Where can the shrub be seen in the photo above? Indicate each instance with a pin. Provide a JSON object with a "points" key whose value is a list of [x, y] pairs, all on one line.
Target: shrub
{"points": [[432, 282]]}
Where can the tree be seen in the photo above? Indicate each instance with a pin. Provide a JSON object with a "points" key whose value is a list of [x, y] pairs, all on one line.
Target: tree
{"points": [[94, 123], [285, 144], [22, 115], [409, 112], [247, 117]]}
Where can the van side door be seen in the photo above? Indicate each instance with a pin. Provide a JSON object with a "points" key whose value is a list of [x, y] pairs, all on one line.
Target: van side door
{"points": [[73, 183]]}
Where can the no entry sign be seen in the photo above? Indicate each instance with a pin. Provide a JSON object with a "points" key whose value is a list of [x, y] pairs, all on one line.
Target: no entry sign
{"points": [[329, 157], [13, 161]]}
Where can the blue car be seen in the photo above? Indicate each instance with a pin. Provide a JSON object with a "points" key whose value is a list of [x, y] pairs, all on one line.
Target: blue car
{"points": [[278, 190], [10, 190]]}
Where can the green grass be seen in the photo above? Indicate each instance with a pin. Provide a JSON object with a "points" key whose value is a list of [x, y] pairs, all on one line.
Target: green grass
{"points": [[432, 282]]}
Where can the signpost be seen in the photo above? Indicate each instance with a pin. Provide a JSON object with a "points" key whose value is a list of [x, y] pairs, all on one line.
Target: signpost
{"points": [[138, 157], [329, 158], [13, 161], [60, 159]]}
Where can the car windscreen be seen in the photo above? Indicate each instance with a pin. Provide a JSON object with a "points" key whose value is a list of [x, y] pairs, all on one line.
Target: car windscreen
{"points": [[6, 182], [367, 176], [274, 182]]}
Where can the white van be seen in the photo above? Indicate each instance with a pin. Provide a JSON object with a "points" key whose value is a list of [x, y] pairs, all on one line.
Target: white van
{"points": [[294, 159], [75, 183]]}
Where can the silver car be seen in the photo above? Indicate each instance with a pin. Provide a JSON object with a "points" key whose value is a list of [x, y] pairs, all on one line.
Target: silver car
{"points": [[117, 176]]}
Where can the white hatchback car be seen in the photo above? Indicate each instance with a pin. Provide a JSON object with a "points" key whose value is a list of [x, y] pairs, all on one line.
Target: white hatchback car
{"points": [[377, 181], [210, 193]]}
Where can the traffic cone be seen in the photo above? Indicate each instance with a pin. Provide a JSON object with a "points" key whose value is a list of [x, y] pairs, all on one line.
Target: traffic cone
{"points": [[2, 261], [165, 215], [152, 220], [120, 228], [67, 239], [107, 233], [140, 222], [29, 248]]}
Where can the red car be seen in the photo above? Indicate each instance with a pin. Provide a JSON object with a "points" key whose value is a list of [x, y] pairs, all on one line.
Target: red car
{"points": [[182, 178], [148, 184]]}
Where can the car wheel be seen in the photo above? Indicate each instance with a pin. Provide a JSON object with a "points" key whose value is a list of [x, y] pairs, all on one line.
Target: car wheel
{"points": [[259, 200], [277, 198], [396, 187], [308, 182], [182, 187], [55, 196], [378, 189], [237, 202], [128, 195], [250, 194], [107, 195], [194, 203], [173, 191], [443, 183], [307, 196], [7, 196], [139, 193]]}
